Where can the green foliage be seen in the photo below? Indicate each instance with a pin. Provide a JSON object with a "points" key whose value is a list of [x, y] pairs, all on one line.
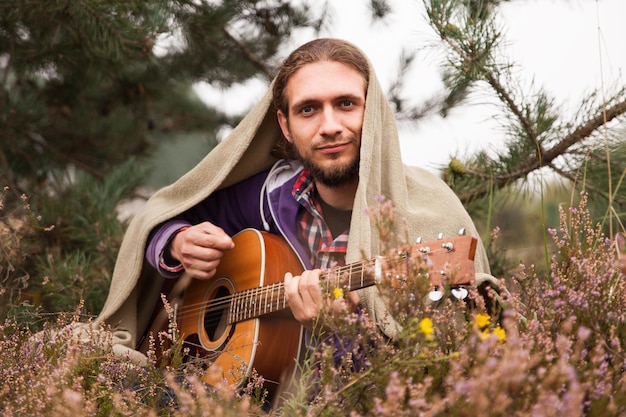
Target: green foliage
{"points": [[83, 85], [54, 260], [89, 91], [537, 136]]}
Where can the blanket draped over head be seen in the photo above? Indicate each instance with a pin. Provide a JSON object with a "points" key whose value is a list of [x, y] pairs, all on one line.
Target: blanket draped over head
{"points": [[423, 203]]}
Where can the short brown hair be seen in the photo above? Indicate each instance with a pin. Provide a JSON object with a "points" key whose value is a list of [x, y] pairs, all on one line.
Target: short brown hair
{"points": [[324, 49]]}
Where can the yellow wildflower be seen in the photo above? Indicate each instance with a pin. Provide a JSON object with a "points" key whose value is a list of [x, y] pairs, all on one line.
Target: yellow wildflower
{"points": [[482, 320], [500, 332], [484, 335], [337, 293], [426, 327]]}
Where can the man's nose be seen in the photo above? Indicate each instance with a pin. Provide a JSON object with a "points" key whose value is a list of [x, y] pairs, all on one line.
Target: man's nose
{"points": [[331, 122]]}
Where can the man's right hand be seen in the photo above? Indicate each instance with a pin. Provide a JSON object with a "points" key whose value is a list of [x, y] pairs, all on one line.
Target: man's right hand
{"points": [[200, 248]]}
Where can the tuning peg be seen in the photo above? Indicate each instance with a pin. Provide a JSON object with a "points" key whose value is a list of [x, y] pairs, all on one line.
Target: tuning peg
{"points": [[448, 246], [460, 293], [440, 236], [462, 231], [418, 240], [435, 295]]}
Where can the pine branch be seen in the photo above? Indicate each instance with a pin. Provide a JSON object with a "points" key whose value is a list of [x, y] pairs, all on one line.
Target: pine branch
{"points": [[585, 130], [247, 54], [61, 158], [527, 126], [542, 158], [472, 65], [472, 41]]}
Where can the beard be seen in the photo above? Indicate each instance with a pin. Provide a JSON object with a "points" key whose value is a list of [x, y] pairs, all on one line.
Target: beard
{"points": [[334, 176]]}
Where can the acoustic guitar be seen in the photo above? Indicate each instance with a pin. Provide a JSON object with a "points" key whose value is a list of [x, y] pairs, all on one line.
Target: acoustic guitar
{"points": [[239, 320]]}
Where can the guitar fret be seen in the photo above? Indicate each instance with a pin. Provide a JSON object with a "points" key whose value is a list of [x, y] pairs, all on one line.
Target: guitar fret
{"points": [[239, 302], [282, 296], [247, 306], [233, 308], [264, 302], [237, 297], [275, 293], [254, 305], [231, 305], [362, 277], [242, 306]]}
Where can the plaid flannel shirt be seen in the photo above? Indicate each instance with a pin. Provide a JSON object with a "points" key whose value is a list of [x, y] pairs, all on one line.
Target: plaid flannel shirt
{"points": [[324, 251]]}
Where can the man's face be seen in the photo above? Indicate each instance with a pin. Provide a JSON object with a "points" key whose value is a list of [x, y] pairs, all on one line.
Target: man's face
{"points": [[326, 108]]}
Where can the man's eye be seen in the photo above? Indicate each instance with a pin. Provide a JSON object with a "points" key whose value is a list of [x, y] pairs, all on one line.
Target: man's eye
{"points": [[346, 103], [307, 109]]}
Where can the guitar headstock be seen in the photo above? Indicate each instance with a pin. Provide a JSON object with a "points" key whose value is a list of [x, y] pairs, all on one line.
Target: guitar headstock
{"points": [[450, 262], [444, 262]]}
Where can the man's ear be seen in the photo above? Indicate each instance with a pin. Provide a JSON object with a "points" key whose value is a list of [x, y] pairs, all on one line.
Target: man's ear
{"points": [[284, 125]]}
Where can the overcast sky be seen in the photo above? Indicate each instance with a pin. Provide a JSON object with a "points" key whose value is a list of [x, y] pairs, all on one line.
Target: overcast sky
{"points": [[568, 47]]}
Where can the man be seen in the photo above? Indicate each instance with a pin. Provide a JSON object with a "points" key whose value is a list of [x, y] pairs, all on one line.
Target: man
{"points": [[328, 118], [320, 111]]}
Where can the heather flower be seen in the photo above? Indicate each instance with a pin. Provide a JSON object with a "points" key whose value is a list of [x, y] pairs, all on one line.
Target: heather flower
{"points": [[564, 354]]}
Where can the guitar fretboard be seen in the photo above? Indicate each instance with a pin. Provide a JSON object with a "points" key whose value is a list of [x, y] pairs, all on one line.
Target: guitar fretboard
{"points": [[268, 299]]}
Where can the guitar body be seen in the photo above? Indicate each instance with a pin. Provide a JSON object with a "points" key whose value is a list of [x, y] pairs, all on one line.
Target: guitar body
{"points": [[270, 342]]}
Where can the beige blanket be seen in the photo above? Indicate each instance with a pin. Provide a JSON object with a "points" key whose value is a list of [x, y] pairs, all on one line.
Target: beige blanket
{"points": [[422, 199]]}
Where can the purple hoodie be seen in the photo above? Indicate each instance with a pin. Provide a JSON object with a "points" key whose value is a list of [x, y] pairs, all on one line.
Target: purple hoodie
{"points": [[263, 201]]}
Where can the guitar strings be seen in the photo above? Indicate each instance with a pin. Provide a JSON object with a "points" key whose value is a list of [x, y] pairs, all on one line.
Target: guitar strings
{"points": [[277, 301], [254, 296], [268, 297]]}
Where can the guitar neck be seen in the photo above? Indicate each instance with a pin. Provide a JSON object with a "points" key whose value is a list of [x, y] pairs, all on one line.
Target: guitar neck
{"points": [[450, 261], [269, 299]]}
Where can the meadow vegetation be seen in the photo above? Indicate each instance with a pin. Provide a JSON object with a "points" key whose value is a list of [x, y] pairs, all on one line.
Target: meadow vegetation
{"points": [[556, 348]]}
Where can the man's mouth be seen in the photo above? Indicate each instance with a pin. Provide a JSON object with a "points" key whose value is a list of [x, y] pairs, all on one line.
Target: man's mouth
{"points": [[333, 148]]}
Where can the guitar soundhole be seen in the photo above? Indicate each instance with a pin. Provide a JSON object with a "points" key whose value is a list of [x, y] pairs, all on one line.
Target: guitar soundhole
{"points": [[216, 315]]}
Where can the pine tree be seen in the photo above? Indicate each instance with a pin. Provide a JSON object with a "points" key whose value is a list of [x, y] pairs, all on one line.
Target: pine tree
{"points": [[583, 151], [586, 152]]}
